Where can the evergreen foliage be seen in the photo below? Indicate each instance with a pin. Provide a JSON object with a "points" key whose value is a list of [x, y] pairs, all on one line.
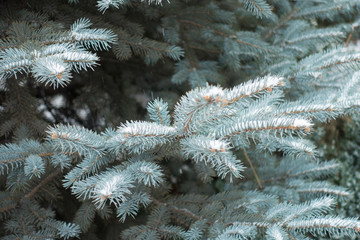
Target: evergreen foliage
{"points": [[233, 160]]}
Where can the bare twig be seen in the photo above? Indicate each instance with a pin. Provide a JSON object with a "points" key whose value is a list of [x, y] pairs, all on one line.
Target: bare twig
{"points": [[349, 38], [252, 168], [45, 181], [182, 211]]}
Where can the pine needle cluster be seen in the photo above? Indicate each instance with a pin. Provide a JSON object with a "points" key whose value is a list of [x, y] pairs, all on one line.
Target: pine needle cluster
{"points": [[197, 121]]}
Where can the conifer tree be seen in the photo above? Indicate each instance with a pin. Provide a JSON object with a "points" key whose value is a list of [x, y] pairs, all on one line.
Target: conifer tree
{"points": [[174, 119]]}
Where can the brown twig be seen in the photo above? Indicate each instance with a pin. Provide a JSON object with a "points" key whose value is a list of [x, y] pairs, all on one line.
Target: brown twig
{"points": [[42, 184], [349, 38], [252, 168], [45, 181], [182, 211]]}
